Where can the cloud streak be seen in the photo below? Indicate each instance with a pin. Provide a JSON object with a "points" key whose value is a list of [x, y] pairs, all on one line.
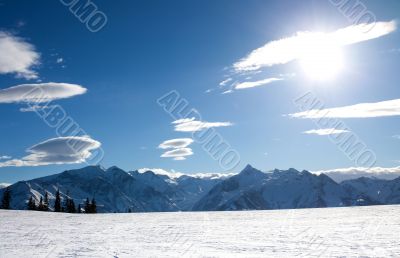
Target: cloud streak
{"points": [[17, 56], [56, 151], [291, 48], [341, 174], [40, 93], [174, 174], [192, 125], [327, 131], [178, 154], [176, 143], [363, 110], [246, 85]]}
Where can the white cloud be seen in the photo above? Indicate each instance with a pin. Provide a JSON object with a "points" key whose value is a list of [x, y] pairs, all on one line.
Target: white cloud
{"points": [[61, 150], [4, 185], [159, 171], [356, 172], [39, 93], [178, 154], [289, 49], [5, 157], [179, 158], [396, 137], [17, 56], [174, 174], [363, 110], [59, 60], [179, 148], [227, 92], [176, 143], [245, 85], [225, 82], [326, 131], [192, 125]]}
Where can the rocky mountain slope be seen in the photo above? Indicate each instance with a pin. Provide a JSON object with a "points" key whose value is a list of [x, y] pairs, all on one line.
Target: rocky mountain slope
{"points": [[116, 190]]}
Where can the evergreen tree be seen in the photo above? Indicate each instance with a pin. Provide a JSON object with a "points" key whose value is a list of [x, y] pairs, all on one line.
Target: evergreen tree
{"points": [[57, 203], [5, 203], [41, 206], [70, 207], [79, 208], [65, 205], [93, 206], [31, 204], [87, 206], [46, 202]]}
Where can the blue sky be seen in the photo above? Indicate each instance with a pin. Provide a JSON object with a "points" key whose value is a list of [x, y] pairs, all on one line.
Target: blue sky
{"points": [[148, 48]]}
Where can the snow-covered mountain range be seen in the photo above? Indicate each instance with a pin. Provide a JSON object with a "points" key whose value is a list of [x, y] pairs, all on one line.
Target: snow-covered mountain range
{"points": [[116, 190]]}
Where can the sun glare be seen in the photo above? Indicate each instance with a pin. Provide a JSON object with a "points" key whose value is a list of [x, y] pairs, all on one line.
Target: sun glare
{"points": [[321, 58]]}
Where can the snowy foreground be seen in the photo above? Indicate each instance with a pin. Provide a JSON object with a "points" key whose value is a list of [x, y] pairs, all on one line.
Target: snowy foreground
{"points": [[329, 232]]}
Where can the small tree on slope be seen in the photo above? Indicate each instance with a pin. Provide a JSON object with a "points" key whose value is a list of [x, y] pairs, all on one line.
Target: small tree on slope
{"points": [[31, 204], [46, 202], [57, 203]]}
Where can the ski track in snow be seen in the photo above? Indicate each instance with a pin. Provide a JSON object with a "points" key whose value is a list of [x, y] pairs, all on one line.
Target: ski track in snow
{"points": [[328, 232]]}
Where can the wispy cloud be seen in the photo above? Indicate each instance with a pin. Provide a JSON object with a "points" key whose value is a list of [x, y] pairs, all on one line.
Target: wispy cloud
{"points": [[40, 93], [176, 143], [192, 125], [61, 150], [17, 56], [363, 110], [327, 131], [396, 137], [225, 82], [289, 49], [341, 174], [174, 174], [178, 154], [227, 92], [5, 157], [245, 85]]}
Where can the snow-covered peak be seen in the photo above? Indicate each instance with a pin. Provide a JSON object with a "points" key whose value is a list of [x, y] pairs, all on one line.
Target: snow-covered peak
{"points": [[4, 185], [86, 172]]}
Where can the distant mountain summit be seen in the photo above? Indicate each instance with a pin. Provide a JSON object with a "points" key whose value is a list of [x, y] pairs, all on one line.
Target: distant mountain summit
{"points": [[116, 190]]}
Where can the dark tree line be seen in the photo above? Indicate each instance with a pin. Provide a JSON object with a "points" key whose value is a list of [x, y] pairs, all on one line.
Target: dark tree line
{"points": [[44, 205], [67, 206], [5, 201]]}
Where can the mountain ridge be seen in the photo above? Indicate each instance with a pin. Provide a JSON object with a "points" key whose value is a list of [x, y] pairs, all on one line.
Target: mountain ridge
{"points": [[117, 190]]}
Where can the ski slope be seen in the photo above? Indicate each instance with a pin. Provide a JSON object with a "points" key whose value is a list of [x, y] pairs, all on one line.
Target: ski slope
{"points": [[328, 232]]}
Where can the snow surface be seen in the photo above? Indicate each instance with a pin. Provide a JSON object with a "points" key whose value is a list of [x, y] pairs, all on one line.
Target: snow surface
{"points": [[329, 232]]}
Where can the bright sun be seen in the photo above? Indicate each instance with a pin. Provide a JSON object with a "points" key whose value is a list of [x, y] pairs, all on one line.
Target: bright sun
{"points": [[321, 59]]}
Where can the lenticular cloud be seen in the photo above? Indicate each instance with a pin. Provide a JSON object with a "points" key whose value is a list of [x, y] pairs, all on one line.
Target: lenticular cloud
{"points": [[39, 93], [61, 150]]}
